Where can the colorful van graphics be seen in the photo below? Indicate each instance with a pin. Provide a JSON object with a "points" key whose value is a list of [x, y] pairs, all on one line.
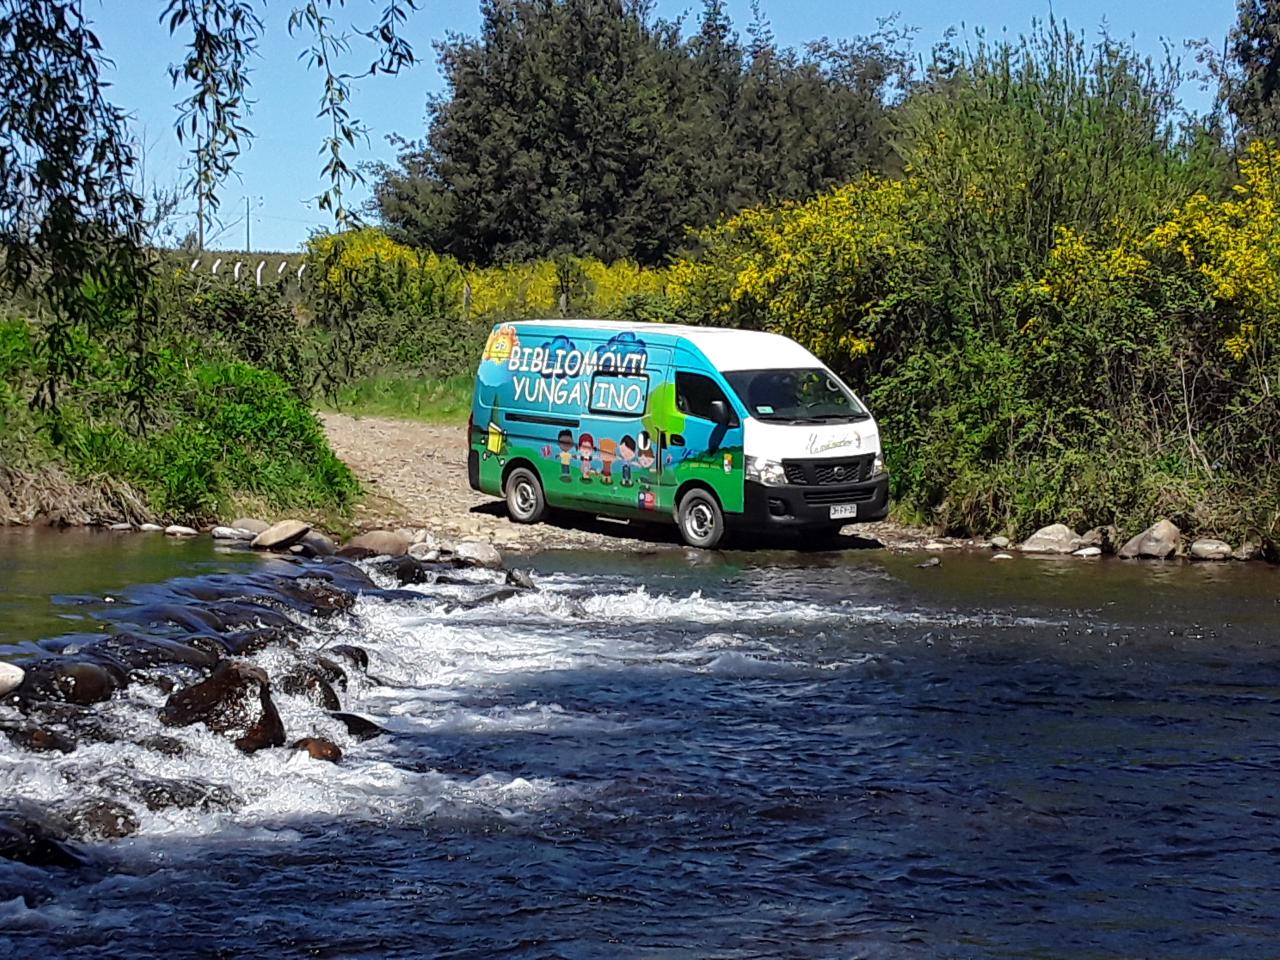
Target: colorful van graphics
{"points": [[640, 420]]}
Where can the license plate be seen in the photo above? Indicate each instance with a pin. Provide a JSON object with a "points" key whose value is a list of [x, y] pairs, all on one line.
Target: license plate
{"points": [[844, 511]]}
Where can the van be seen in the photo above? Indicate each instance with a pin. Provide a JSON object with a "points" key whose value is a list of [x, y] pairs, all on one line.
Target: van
{"points": [[710, 427]]}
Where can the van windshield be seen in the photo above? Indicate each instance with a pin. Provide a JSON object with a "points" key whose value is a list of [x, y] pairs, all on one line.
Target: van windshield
{"points": [[808, 395]]}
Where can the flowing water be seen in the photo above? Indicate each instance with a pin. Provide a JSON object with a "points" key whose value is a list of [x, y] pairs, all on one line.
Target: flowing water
{"points": [[747, 755]]}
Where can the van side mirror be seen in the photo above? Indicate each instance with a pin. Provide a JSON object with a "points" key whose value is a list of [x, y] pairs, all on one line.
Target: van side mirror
{"points": [[720, 413]]}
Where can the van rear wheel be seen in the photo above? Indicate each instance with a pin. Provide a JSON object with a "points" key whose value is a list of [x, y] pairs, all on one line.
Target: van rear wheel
{"points": [[700, 520], [526, 503]]}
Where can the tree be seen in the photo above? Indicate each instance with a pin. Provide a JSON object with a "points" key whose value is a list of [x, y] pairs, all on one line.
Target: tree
{"points": [[1254, 84], [587, 127], [72, 231]]}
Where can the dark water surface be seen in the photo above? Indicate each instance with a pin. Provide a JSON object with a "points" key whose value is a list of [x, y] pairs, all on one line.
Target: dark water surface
{"points": [[756, 755]]}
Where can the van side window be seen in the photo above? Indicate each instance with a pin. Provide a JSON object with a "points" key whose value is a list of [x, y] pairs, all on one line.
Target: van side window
{"points": [[694, 394]]}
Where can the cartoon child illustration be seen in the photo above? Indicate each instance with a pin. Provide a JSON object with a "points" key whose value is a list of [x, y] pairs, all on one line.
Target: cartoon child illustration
{"points": [[608, 453], [627, 454], [644, 453], [566, 455], [586, 452]]}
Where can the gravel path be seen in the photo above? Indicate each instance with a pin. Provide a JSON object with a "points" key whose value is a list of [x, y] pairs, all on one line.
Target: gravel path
{"points": [[415, 475]]}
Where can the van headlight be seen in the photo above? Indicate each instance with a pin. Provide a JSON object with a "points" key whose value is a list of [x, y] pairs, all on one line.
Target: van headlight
{"points": [[878, 467], [768, 472]]}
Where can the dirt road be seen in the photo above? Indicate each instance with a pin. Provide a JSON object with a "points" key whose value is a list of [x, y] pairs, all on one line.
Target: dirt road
{"points": [[415, 475]]}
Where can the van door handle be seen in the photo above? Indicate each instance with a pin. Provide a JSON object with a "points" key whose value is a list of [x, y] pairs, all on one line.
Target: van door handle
{"points": [[677, 440]]}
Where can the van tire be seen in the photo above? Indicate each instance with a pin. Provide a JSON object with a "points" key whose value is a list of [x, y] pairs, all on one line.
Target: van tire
{"points": [[526, 503], [700, 520]]}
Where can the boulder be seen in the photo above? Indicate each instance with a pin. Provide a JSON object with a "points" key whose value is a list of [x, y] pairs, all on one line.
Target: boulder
{"points": [[1087, 553], [1000, 543], [1210, 549], [476, 553], [235, 701], [150, 527], [10, 677], [231, 533], [178, 530], [121, 527], [376, 543], [1160, 540], [319, 748], [282, 535], [1002, 556], [249, 523], [1055, 538]]}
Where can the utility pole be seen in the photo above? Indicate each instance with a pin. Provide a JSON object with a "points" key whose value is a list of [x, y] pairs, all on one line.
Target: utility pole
{"points": [[247, 246]]}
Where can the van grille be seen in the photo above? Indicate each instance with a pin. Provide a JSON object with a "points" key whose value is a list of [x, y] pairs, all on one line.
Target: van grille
{"points": [[820, 473], [823, 497]]}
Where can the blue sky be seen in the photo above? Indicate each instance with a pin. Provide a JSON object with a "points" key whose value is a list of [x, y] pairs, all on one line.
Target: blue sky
{"points": [[280, 174]]}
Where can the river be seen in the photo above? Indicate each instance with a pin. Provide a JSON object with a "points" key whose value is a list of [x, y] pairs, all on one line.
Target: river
{"points": [[706, 756]]}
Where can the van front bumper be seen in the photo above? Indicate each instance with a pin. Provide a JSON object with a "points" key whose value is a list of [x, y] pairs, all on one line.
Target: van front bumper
{"points": [[810, 506]]}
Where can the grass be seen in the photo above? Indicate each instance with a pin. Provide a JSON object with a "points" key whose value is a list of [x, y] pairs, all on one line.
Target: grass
{"points": [[409, 398]]}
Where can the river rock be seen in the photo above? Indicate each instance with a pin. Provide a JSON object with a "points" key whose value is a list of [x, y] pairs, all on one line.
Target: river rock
{"points": [[1160, 540], [319, 748], [37, 739], [101, 820], [305, 681], [1247, 551], [357, 656], [376, 543], [476, 553], [1055, 538], [1087, 553], [424, 552], [121, 527], [150, 527], [1002, 556], [34, 841], [10, 677], [70, 681], [282, 535], [1210, 549], [251, 524], [321, 546], [178, 530], [234, 701], [358, 727], [1105, 538], [231, 533], [1000, 543]]}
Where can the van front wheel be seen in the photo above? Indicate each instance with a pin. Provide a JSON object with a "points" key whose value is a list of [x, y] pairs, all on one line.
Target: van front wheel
{"points": [[526, 502], [700, 520]]}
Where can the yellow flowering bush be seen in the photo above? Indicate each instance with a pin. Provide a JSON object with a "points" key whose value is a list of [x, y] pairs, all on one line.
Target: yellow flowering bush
{"points": [[818, 272]]}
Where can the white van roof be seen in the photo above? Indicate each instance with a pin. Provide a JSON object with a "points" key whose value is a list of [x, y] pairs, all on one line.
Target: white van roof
{"points": [[724, 347]]}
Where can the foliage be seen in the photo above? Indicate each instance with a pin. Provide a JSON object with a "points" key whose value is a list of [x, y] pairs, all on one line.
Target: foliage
{"points": [[222, 430], [1061, 312], [381, 309], [1251, 78], [586, 128]]}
